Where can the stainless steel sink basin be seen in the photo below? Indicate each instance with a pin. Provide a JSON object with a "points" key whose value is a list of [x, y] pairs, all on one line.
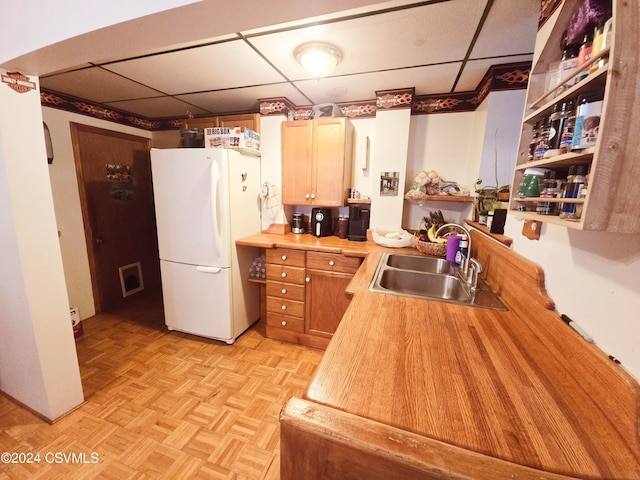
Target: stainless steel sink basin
{"points": [[429, 278], [418, 264]]}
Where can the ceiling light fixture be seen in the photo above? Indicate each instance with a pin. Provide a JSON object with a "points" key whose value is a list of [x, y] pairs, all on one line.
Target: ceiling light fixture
{"points": [[318, 59]]}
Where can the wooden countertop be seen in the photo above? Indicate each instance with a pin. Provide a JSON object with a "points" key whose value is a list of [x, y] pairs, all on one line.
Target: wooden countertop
{"points": [[517, 386]]}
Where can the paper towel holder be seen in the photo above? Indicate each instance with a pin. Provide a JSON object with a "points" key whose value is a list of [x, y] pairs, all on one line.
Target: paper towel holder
{"points": [[364, 152]]}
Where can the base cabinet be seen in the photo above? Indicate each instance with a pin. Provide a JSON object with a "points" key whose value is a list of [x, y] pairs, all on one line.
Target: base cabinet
{"points": [[305, 294]]}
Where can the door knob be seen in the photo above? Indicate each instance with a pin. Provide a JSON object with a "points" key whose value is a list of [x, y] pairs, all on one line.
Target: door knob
{"points": [[99, 241]]}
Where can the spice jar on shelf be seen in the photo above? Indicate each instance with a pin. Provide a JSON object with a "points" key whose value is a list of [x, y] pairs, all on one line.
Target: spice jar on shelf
{"points": [[568, 64], [533, 144], [601, 41], [549, 190], [566, 137], [543, 141], [572, 189], [584, 55]]}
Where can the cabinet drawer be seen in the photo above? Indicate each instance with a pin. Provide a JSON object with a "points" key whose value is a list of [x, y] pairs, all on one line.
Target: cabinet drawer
{"points": [[286, 290], [284, 306], [287, 322], [332, 262], [284, 273], [285, 256]]}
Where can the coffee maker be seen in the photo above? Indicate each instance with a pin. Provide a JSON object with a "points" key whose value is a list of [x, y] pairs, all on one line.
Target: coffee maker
{"points": [[358, 223]]}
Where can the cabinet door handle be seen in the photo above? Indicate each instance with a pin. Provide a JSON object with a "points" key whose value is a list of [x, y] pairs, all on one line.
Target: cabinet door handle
{"points": [[313, 195], [307, 196], [284, 323], [284, 274], [284, 290], [307, 279], [331, 263], [284, 307], [284, 257]]}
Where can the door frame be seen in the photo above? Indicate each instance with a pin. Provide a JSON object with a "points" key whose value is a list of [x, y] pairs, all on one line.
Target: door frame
{"points": [[76, 128]]}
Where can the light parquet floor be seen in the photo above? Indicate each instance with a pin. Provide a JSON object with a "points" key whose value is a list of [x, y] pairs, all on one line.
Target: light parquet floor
{"points": [[164, 404]]}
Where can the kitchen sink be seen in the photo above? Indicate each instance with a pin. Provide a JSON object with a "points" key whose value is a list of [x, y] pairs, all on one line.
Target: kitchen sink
{"points": [[430, 278], [418, 264]]}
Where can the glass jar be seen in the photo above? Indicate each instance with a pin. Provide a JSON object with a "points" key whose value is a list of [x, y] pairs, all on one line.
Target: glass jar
{"points": [[572, 189], [549, 190], [584, 55]]}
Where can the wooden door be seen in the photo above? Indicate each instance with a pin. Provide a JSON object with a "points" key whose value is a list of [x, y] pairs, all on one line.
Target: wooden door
{"points": [[114, 181], [332, 165], [296, 163], [326, 301]]}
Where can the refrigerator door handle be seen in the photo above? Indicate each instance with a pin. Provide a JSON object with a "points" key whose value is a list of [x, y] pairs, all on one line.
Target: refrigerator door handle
{"points": [[202, 269], [215, 179]]}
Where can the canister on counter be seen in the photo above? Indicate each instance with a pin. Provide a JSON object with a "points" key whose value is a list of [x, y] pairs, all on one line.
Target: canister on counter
{"points": [[343, 227], [298, 223]]}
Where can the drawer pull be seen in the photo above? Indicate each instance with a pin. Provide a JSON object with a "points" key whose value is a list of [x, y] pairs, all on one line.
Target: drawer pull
{"points": [[284, 323], [284, 307], [284, 274], [284, 257], [331, 263], [284, 290]]}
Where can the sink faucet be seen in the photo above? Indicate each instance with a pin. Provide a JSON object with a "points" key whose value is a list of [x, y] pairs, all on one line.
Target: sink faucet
{"points": [[472, 278], [470, 266]]}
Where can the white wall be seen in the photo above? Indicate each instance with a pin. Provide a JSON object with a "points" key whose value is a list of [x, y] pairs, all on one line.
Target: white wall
{"points": [[594, 278], [38, 361], [501, 134], [447, 143], [389, 155], [271, 156], [66, 201]]}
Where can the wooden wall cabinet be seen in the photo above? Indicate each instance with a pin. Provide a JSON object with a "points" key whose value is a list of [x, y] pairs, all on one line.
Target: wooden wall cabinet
{"points": [[317, 160], [247, 120], [611, 202], [305, 294]]}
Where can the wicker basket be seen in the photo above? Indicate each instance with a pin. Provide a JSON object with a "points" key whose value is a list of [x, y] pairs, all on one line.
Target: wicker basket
{"points": [[435, 249]]}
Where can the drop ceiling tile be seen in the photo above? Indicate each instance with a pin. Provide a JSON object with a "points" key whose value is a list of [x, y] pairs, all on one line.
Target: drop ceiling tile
{"points": [[476, 69], [425, 80], [242, 99], [412, 37], [160, 107], [211, 67], [97, 85], [510, 29]]}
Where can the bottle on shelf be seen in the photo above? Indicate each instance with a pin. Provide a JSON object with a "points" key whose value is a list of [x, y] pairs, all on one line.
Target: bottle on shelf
{"points": [[543, 141], [535, 138], [568, 64], [550, 190], [601, 41], [587, 124], [558, 121], [584, 55], [566, 137], [572, 189]]}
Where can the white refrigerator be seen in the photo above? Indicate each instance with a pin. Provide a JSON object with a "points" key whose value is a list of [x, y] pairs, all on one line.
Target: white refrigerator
{"points": [[206, 198]]}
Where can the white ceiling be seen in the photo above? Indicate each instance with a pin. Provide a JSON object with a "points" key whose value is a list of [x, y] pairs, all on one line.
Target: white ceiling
{"points": [[436, 46]]}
